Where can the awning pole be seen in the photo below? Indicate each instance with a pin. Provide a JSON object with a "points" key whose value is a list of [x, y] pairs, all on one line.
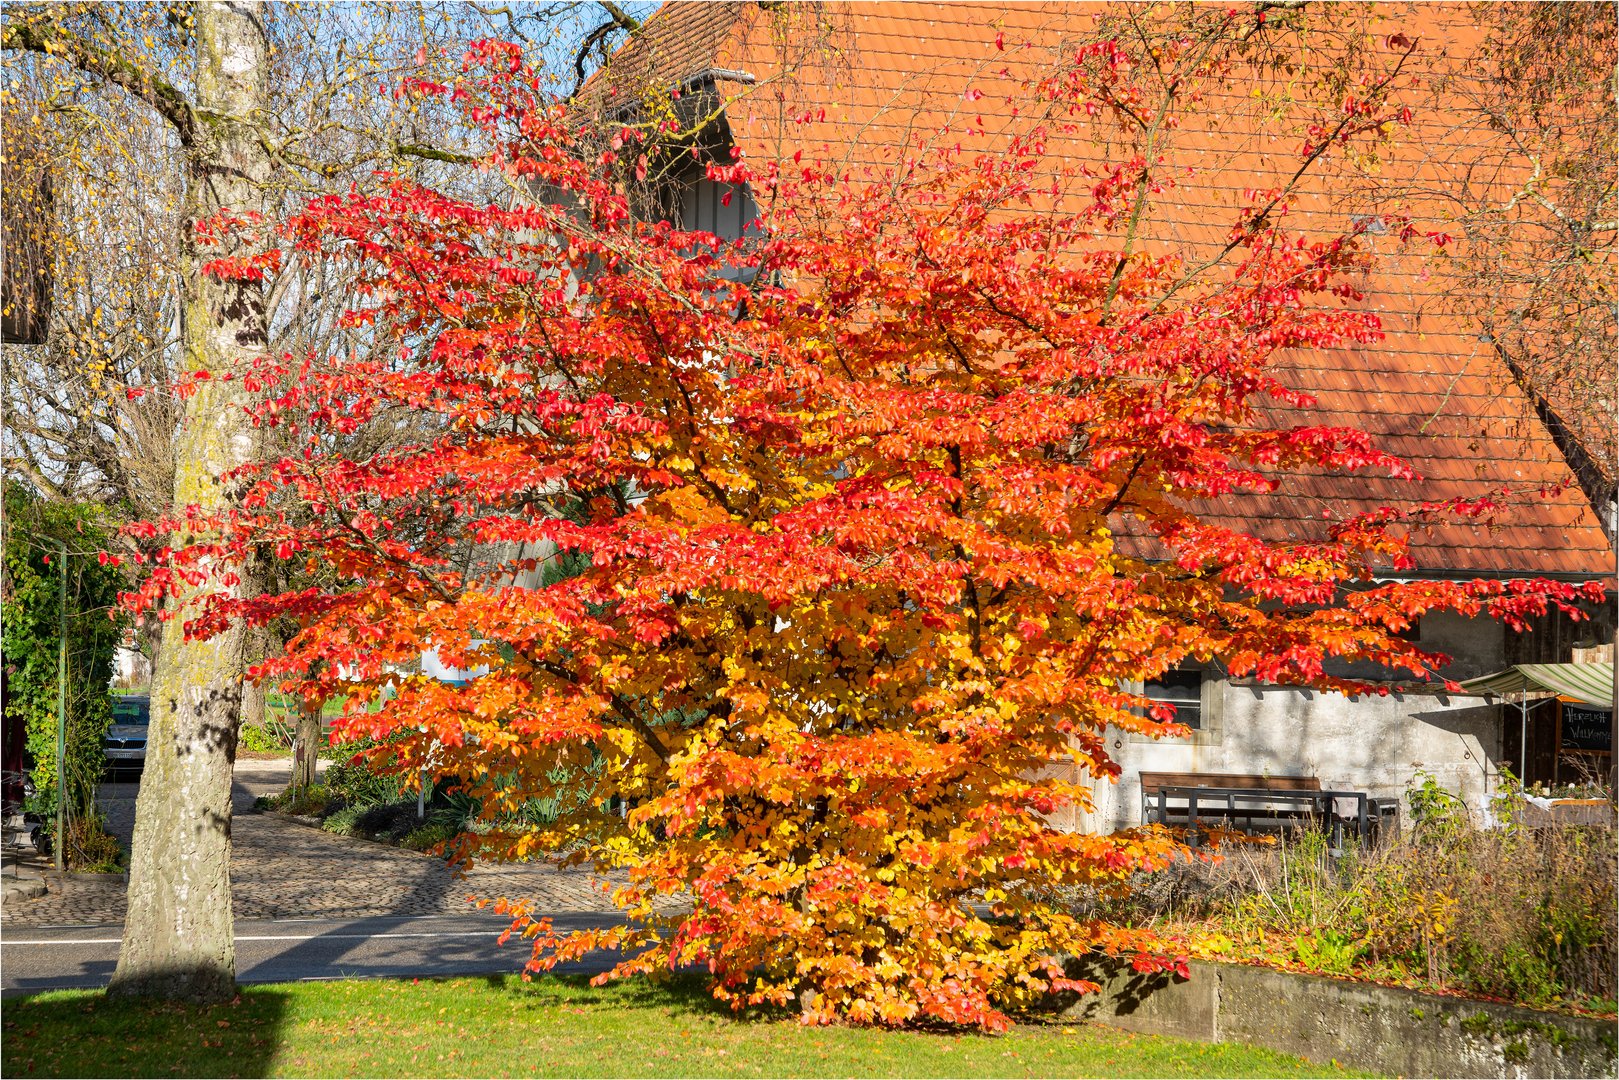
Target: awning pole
{"points": [[1523, 738]]}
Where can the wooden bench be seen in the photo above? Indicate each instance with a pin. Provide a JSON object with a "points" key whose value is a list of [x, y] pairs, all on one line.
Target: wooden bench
{"points": [[1224, 796], [1154, 782]]}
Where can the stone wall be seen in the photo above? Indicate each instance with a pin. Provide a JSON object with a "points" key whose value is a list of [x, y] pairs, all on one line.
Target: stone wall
{"points": [[1358, 1025]]}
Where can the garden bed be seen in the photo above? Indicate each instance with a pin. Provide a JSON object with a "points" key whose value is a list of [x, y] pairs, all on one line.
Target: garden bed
{"points": [[394, 823], [1518, 914]]}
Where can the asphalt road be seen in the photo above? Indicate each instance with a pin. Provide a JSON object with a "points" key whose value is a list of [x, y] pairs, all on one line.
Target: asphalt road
{"points": [[288, 950]]}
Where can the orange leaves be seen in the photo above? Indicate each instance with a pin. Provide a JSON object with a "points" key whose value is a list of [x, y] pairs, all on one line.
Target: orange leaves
{"points": [[784, 608]]}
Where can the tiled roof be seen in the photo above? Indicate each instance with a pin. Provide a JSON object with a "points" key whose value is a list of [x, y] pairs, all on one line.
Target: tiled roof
{"points": [[862, 82], [676, 43]]}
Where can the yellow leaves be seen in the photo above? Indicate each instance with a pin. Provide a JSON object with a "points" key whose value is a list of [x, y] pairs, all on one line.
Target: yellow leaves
{"points": [[730, 480]]}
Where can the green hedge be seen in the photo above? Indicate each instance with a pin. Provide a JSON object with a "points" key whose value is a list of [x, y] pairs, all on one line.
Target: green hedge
{"points": [[30, 598]]}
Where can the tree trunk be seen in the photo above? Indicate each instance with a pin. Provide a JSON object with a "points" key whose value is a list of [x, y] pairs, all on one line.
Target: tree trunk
{"points": [[150, 638], [255, 705], [178, 936], [306, 747], [255, 702]]}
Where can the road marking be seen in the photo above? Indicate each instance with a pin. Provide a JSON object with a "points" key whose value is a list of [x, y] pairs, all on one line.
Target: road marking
{"points": [[282, 937], [373, 937]]}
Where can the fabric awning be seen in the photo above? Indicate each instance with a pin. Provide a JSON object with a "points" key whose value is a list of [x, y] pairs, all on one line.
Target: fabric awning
{"points": [[1589, 684]]}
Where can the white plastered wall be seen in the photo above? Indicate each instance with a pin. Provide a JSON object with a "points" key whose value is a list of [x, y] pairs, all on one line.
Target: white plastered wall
{"points": [[1375, 744]]}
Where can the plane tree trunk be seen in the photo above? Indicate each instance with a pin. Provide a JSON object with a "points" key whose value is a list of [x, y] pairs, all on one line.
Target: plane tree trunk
{"points": [[178, 936]]}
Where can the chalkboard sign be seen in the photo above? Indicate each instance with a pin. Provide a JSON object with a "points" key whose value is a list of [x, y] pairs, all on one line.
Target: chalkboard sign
{"points": [[1585, 728]]}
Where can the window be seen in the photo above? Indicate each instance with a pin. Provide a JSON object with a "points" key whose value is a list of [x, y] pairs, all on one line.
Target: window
{"points": [[726, 210], [1182, 689], [1198, 692]]}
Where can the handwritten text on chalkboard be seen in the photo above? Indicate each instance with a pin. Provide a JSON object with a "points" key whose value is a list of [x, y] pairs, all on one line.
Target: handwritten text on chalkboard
{"points": [[1586, 728]]}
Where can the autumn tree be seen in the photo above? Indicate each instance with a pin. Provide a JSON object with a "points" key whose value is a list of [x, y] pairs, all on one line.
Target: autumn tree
{"points": [[869, 518], [153, 123], [93, 414]]}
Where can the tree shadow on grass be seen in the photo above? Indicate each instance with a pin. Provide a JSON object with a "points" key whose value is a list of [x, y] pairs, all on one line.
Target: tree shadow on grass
{"points": [[686, 991], [85, 1033]]}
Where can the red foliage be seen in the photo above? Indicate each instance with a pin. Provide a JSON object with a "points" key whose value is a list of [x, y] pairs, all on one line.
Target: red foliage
{"points": [[852, 530]]}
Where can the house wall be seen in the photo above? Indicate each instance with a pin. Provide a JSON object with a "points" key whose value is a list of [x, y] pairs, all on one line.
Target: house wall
{"points": [[1372, 744], [130, 667]]}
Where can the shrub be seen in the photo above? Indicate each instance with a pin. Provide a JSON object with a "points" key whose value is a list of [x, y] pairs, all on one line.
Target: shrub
{"points": [[312, 801], [391, 822], [91, 849], [353, 779], [342, 821], [31, 609], [268, 738], [429, 836]]}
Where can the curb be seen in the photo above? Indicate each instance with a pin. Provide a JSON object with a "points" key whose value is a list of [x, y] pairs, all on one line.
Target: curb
{"points": [[22, 888], [315, 823]]}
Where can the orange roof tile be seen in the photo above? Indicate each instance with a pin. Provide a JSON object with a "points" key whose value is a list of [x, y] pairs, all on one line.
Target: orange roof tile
{"points": [[676, 43], [863, 82]]}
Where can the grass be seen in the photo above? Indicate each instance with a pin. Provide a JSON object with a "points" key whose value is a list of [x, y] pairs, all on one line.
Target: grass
{"points": [[499, 1026]]}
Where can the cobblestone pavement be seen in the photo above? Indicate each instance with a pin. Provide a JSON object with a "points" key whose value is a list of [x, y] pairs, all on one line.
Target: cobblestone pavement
{"points": [[283, 869]]}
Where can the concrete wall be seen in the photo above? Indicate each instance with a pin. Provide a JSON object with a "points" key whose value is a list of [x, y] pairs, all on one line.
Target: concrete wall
{"points": [[1379, 1029], [1372, 744]]}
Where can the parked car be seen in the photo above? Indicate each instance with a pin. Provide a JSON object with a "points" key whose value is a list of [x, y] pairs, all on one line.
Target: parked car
{"points": [[125, 741]]}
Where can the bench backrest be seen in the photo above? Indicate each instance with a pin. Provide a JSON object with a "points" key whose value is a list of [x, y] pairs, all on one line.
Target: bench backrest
{"points": [[1152, 782]]}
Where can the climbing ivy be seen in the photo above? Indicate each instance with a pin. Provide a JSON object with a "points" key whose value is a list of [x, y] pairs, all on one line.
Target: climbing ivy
{"points": [[30, 599]]}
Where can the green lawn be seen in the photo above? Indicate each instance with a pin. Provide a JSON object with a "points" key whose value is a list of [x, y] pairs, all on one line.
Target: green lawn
{"points": [[498, 1026]]}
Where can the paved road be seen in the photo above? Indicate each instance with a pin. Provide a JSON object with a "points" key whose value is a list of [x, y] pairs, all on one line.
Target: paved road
{"points": [[287, 950], [308, 905]]}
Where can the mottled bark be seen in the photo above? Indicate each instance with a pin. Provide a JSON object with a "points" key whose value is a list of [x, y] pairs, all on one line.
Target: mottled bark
{"points": [[255, 702], [306, 747], [150, 641], [178, 936], [255, 706]]}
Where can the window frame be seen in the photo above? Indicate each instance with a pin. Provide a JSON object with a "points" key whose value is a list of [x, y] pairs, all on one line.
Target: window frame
{"points": [[1211, 716]]}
